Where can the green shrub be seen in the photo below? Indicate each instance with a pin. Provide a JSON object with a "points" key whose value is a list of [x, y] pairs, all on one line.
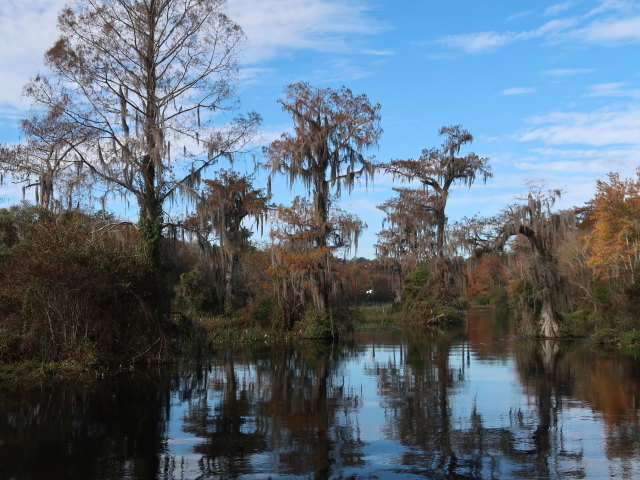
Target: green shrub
{"points": [[429, 298], [195, 295], [262, 311], [322, 326]]}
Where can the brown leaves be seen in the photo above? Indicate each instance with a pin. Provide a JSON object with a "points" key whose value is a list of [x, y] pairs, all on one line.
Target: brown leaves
{"points": [[332, 131]]}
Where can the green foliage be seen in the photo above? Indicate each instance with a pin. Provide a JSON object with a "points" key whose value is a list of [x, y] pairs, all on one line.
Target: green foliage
{"points": [[322, 326], [383, 316], [195, 295], [525, 305], [496, 296], [262, 311], [150, 232], [429, 297], [580, 323], [618, 339]]}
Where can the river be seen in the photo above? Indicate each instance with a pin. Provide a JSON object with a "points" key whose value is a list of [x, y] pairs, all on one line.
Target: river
{"points": [[469, 402]]}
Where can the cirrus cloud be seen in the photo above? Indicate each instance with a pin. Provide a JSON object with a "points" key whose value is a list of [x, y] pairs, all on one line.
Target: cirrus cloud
{"points": [[598, 128]]}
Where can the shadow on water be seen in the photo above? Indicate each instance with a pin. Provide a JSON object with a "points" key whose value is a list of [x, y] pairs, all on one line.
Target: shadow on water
{"points": [[469, 402]]}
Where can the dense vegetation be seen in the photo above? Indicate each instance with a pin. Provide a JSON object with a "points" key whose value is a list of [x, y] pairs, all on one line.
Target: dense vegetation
{"points": [[83, 288]]}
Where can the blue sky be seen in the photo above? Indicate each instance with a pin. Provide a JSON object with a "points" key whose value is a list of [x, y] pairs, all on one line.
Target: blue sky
{"points": [[550, 90]]}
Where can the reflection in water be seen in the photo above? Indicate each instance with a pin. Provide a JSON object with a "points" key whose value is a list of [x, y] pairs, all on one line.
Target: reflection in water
{"points": [[474, 402]]}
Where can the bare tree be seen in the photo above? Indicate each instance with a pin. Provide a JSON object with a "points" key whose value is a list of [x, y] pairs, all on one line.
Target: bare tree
{"points": [[47, 158], [440, 168], [146, 77], [332, 131]]}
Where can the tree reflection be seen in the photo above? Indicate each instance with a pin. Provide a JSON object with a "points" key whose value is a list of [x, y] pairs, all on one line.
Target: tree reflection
{"points": [[109, 430], [414, 390], [290, 406], [419, 392], [296, 412]]}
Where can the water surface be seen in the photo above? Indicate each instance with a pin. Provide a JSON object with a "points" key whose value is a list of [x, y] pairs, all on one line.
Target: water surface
{"points": [[470, 402]]}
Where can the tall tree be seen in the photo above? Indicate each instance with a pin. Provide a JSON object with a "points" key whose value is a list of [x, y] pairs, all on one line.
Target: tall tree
{"points": [[220, 212], [146, 76], [333, 129], [302, 271], [545, 232], [440, 168]]}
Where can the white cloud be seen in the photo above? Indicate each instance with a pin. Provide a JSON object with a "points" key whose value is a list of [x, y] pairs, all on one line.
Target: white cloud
{"points": [[270, 133], [609, 32], [599, 128], [623, 160], [339, 70], [619, 6], [613, 22], [593, 166], [519, 15], [249, 75], [567, 72], [479, 42], [28, 29], [518, 91], [380, 53], [558, 8], [613, 89], [274, 27], [482, 42]]}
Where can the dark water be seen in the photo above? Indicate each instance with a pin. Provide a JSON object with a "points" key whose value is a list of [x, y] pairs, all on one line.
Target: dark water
{"points": [[469, 403]]}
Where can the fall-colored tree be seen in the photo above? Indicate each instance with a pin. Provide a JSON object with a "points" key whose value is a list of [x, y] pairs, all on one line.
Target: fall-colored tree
{"points": [[225, 204], [333, 129], [409, 220], [489, 272], [613, 241], [145, 77], [408, 238], [302, 271], [440, 168]]}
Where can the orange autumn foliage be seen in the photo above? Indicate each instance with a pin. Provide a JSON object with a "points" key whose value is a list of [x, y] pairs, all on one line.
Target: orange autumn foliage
{"points": [[613, 242], [490, 271]]}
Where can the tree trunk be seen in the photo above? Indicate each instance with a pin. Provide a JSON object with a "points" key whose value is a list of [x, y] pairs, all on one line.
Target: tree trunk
{"points": [[230, 272], [440, 226], [150, 204], [548, 322], [321, 204], [150, 223], [441, 221]]}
